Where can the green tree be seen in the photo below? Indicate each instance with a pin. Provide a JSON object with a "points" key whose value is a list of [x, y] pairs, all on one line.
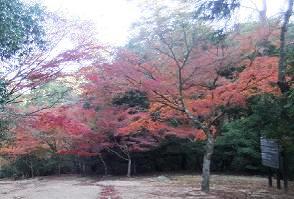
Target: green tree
{"points": [[3, 93], [238, 149], [268, 115], [50, 94], [273, 116], [4, 97], [20, 28]]}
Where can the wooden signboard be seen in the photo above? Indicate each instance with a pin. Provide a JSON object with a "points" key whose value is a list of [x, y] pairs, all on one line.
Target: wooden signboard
{"points": [[270, 153], [273, 157]]}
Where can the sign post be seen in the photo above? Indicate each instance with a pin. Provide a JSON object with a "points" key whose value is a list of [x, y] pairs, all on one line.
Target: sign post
{"points": [[270, 179], [285, 170], [270, 155], [274, 157]]}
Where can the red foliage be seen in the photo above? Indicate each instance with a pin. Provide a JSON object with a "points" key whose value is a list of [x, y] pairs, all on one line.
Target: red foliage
{"points": [[24, 143], [198, 86], [204, 88]]}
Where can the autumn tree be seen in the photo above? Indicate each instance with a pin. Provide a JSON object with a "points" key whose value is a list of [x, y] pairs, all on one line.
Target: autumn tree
{"points": [[55, 132], [27, 84], [130, 139], [115, 105], [21, 30], [285, 83], [20, 144], [223, 9], [22, 76], [187, 74]]}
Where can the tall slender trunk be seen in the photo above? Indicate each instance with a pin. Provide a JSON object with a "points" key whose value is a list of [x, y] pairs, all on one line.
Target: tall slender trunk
{"points": [[32, 168], [80, 166], [134, 168], [84, 168], [104, 165], [58, 164], [129, 166], [206, 162], [284, 87], [59, 169]]}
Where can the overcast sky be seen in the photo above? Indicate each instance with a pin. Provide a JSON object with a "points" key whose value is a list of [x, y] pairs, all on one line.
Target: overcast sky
{"points": [[114, 17]]}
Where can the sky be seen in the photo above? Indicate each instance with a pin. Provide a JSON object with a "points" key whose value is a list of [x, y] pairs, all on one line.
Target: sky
{"points": [[113, 18]]}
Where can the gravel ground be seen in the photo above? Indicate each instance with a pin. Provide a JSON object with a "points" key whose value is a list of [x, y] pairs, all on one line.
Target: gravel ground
{"points": [[50, 188], [151, 187]]}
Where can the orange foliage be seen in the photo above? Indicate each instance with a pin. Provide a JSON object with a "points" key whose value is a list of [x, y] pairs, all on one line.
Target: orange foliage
{"points": [[100, 124]]}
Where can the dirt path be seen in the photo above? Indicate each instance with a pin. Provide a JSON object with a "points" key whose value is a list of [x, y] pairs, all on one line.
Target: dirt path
{"points": [[162, 187], [50, 188], [188, 187]]}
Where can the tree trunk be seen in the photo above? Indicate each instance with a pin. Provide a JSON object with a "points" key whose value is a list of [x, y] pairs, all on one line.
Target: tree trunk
{"points": [[84, 168], [59, 169], [134, 168], [284, 87], [129, 167], [104, 165], [285, 170], [206, 162], [58, 164], [32, 169], [80, 166]]}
